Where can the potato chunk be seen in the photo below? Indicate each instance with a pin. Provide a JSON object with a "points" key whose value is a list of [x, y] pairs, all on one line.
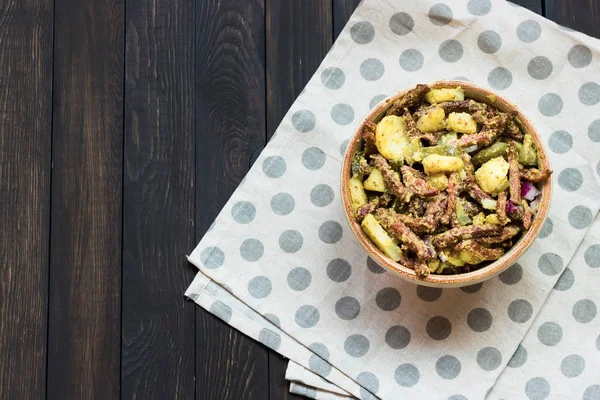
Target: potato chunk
{"points": [[438, 180], [432, 121], [461, 122], [439, 95], [375, 181], [391, 137], [380, 237], [357, 193], [435, 163], [491, 176]]}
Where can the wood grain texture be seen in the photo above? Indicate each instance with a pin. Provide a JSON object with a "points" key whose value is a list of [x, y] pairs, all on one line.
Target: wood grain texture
{"points": [[230, 127], [581, 15], [25, 156], [85, 261], [299, 35], [158, 324], [342, 11], [534, 5]]}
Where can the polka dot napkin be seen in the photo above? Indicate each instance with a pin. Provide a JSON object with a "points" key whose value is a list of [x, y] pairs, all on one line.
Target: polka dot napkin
{"points": [[281, 265]]}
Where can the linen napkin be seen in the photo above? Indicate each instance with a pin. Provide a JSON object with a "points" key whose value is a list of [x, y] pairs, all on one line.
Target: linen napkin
{"points": [[280, 264]]}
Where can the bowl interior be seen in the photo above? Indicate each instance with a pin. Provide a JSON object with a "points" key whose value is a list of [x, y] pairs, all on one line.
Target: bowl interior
{"points": [[483, 95]]}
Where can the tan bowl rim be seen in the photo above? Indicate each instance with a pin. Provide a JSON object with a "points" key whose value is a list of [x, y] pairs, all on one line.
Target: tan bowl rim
{"points": [[458, 280]]}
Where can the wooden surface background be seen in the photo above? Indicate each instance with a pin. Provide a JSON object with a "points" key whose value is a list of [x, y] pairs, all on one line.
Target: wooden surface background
{"points": [[125, 125]]}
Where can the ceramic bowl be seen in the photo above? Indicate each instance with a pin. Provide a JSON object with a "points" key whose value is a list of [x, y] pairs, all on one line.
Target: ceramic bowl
{"points": [[480, 94]]}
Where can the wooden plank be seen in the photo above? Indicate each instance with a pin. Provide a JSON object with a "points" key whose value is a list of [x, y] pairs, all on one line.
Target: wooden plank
{"points": [[342, 11], [230, 127], [158, 325], [299, 35], [25, 160], [582, 15], [85, 261], [534, 5]]}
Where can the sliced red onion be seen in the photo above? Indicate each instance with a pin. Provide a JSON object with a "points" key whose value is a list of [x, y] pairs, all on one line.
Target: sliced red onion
{"points": [[442, 256], [528, 190], [427, 241], [510, 207], [534, 205]]}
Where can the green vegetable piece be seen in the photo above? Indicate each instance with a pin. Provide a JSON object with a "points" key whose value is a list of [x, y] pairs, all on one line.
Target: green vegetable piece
{"points": [[449, 138], [356, 162], [440, 150], [461, 214], [497, 149], [412, 152], [530, 155]]}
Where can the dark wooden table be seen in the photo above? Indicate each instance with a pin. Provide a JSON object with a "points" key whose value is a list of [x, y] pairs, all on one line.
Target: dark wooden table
{"points": [[125, 125]]}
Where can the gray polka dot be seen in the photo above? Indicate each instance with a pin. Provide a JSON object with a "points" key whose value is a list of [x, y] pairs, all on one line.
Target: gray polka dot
{"points": [[500, 78], [347, 308], [457, 397], [489, 358], [529, 31], [306, 391], [269, 338], [356, 345], [243, 212], [333, 78], [397, 337], [438, 328], [560, 142], [321, 195], [451, 51], [572, 365], [592, 256], [592, 393], [259, 287], [212, 257], [589, 93], [549, 333], [579, 56], [570, 179], [313, 158], [472, 288], [274, 167], [388, 299], [479, 320], [401, 23], [479, 7], [519, 358], [411, 60], [407, 375], [299, 278], [330, 232], [580, 217], [489, 42], [594, 131], [550, 104], [539, 68], [342, 114], [282, 203], [290, 241], [440, 14], [372, 69], [520, 311], [318, 361], [374, 267], [307, 316], [251, 250], [537, 389], [362, 32], [585, 311], [546, 229], [376, 100], [512, 275], [339, 270], [221, 310], [428, 294], [304, 121], [448, 367], [566, 280], [344, 146], [368, 381], [550, 264], [274, 319]]}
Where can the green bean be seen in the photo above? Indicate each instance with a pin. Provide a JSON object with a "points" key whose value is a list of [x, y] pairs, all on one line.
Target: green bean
{"points": [[495, 150]]}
